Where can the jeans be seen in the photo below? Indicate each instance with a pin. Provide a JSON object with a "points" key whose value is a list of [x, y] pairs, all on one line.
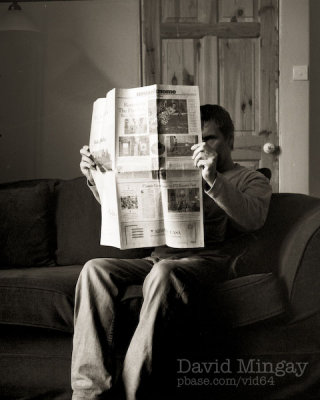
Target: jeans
{"points": [[169, 287]]}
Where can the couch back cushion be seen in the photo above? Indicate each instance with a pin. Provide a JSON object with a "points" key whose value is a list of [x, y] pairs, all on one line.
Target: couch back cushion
{"points": [[78, 223], [26, 214]]}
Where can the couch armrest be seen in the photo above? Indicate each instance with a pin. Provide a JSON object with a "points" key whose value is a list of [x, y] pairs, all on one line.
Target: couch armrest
{"points": [[280, 245], [294, 246]]}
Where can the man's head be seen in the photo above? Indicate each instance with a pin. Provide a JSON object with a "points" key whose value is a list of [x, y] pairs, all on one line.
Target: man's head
{"points": [[221, 119], [218, 133]]}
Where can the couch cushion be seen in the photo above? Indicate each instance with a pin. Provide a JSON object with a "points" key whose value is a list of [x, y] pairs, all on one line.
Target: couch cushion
{"points": [[42, 297], [78, 220], [27, 235]]}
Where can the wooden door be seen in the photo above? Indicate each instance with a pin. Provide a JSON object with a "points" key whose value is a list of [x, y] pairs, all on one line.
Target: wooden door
{"points": [[229, 48]]}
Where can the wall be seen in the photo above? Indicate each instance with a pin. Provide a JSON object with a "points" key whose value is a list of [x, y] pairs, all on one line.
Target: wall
{"points": [[20, 104], [293, 97], [88, 47], [314, 160]]}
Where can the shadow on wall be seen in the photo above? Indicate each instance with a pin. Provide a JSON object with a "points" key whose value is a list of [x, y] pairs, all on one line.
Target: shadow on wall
{"points": [[85, 49], [21, 82], [80, 82], [67, 115]]}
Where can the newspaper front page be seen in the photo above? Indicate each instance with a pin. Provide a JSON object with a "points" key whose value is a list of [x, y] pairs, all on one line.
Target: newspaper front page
{"points": [[150, 191]]}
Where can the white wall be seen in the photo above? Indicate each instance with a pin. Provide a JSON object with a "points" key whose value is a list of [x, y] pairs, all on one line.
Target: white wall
{"points": [[88, 47], [293, 97]]}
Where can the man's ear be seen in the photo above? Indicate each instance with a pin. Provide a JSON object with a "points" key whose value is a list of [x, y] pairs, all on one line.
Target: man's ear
{"points": [[231, 142]]}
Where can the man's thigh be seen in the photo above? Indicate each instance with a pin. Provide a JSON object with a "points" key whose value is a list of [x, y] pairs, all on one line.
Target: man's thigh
{"points": [[200, 271], [120, 271]]}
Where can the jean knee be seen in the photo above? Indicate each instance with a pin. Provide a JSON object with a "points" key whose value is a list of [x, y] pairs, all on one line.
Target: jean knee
{"points": [[97, 277], [90, 269], [97, 271], [161, 275]]}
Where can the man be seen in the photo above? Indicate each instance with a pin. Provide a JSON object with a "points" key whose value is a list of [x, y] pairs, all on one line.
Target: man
{"points": [[234, 197]]}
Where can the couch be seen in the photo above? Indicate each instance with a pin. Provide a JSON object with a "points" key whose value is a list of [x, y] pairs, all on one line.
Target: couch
{"points": [[262, 327]]}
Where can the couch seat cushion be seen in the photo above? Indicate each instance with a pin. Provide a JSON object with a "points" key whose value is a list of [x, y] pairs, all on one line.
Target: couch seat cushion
{"points": [[44, 297], [41, 297]]}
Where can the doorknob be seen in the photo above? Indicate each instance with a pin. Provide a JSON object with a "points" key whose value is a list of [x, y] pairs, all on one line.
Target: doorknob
{"points": [[269, 148]]}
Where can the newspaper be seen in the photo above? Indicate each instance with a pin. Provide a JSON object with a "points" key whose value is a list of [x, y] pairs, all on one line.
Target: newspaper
{"points": [[149, 188]]}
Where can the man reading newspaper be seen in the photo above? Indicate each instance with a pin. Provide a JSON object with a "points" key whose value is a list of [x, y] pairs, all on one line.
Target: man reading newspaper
{"points": [[233, 197]]}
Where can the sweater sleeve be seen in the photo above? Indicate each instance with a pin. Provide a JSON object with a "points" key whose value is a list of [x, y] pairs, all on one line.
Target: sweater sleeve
{"points": [[246, 203]]}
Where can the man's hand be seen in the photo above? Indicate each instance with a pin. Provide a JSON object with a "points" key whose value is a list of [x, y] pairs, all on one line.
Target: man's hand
{"points": [[205, 158], [87, 164]]}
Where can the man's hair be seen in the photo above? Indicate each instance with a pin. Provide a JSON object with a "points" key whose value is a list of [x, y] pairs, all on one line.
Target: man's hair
{"points": [[221, 117]]}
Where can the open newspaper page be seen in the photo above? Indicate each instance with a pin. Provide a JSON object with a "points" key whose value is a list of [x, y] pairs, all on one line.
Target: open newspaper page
{"points": [[124, 144], [137, 165], [179, 128], [102, 147], [140, 210], [150, 191]]}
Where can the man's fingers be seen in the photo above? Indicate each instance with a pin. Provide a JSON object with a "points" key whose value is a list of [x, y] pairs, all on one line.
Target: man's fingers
{"points": [[197, 151], [200, 153], [193, 147], [85, 151], [203, 147], [87, 164], [198, 146], [200, 157], [207, 159], [196, 158], [84, 166], [88, 159], [202, 164]]}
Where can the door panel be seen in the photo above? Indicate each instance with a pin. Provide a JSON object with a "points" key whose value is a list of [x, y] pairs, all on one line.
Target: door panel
{"points": [[207, 66], [178, 61], [237, 10], [229, 48], [237, 68], [189, 11], [189, 62]]}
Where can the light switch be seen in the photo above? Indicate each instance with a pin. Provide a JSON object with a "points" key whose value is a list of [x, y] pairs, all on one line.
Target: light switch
{"points": [[300, 73]]}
